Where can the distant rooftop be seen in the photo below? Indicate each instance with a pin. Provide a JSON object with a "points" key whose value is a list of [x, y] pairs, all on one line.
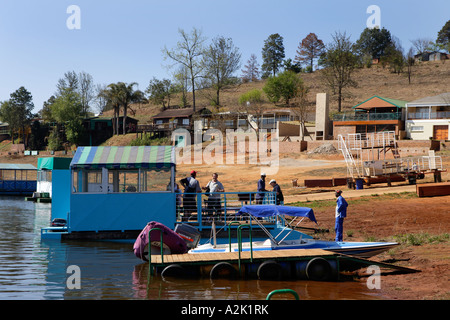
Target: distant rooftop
{"points": [[441, 99], [380, 102], [14, 166]]}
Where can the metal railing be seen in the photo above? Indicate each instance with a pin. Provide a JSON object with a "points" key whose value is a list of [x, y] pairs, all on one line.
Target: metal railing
{"points": [[221, 207], [428, 115], [366, 116]]}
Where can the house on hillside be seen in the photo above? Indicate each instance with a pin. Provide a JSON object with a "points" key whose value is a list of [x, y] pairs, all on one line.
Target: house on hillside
{"points": [[431, 56], [178, 118], [100, 129], [428, 118], [376, 114]]}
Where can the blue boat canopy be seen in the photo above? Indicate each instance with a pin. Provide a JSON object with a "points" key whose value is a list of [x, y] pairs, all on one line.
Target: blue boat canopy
{"points": [[129, 157], [264, 211]]}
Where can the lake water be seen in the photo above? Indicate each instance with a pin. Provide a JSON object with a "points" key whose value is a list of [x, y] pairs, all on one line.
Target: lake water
{"points": [[35, 270]]}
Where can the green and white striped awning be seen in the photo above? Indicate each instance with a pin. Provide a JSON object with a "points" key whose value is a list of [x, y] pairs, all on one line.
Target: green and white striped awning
{"points": [[152, 157]]}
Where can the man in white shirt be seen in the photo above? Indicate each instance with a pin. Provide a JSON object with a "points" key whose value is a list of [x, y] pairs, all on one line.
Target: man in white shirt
{"points": [[214, 186]]}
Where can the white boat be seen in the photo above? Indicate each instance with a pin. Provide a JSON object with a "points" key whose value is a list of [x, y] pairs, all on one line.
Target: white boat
{"points": [[256, 212]]}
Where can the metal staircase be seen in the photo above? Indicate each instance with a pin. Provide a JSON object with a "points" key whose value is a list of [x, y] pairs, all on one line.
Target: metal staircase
{"points": [[360, 149]]}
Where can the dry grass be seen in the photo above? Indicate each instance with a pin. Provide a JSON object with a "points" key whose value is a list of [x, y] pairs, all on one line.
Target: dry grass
{"points": [[428, 79]]}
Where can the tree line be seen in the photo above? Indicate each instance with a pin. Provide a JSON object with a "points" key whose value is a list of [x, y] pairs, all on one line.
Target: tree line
{"points": [[196, 64]]}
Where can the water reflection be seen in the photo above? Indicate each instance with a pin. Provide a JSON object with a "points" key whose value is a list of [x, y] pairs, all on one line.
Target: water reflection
{"points": [[31, 269], [205, 289]]}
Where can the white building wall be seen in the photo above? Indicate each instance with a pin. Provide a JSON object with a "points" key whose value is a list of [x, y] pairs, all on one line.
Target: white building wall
{"points": [[423, 129]]}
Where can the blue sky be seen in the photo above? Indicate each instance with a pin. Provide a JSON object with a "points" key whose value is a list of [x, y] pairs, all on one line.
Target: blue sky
{"points": [[122, 40]]}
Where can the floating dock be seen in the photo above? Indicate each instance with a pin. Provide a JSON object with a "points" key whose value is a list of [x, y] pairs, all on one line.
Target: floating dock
{"points": [[303, 264]]}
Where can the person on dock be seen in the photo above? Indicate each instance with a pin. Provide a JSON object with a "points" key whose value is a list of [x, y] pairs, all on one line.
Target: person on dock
{"points": [[261, 189], [341, 213], [279, 198], [191, 187], [213, 187]]}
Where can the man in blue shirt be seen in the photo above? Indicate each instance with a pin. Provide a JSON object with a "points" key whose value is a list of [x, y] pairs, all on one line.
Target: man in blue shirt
{"points": [[261, 189], [279, 198], [341, 213]]}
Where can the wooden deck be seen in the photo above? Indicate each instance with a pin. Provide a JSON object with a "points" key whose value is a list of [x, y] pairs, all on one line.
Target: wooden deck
{"points": [[202, 258]]}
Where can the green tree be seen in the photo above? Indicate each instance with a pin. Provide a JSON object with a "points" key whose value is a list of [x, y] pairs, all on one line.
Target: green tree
{"points": [[339, 63], [66, 110], [444, 36], [111, 94], [394, 57], [8, 114], [128, 95], [83, 84], [160, 91], [119, 95], [284, 87], [17, 111], [373, 41], [272, 54]]}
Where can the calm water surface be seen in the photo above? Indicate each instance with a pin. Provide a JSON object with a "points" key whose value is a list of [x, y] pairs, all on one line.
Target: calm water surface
{"points": [[31, 269]]}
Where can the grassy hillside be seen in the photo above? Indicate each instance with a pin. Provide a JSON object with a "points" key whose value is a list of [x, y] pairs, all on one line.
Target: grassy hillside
{"points": [[428, 78]]}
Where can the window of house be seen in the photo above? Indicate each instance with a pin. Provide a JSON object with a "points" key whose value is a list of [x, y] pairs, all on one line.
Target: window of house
{"points": [[416, 128], [186, 122]]}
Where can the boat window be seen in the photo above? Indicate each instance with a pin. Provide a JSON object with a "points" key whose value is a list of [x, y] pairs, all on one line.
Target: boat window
{"points": [[87, 181], [121, 180], [155, 180]]}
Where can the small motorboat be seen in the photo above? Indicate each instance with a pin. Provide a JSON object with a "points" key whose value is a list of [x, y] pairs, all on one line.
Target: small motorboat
{"points": [[258, 212]]}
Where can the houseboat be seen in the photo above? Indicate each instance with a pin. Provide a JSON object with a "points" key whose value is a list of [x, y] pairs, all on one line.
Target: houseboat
{"points": [[46, 167], [111, 193], [17, 179]]}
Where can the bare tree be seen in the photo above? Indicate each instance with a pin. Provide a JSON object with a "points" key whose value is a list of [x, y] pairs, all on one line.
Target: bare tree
{"points": [[339, 62], [252, 108], [309, 49], [300, 105], [188, 52], [410, 63], [100, 99], [251, 69], [220, 61], [86, 91], [421, 44]]}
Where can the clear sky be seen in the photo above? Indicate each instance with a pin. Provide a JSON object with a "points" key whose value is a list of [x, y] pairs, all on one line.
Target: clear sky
{"points": [[121, 40]]}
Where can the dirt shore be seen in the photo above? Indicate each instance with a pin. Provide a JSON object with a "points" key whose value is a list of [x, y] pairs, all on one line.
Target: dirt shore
{"points": [[373, 215], [376, 213]]}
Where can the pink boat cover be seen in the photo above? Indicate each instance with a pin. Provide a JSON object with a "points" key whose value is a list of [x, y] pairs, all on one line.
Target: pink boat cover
{"points": [[171, 239]]}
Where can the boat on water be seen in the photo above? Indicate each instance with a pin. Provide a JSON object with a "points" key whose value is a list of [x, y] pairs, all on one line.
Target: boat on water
{"points": [[111, 193], [284, 239]]}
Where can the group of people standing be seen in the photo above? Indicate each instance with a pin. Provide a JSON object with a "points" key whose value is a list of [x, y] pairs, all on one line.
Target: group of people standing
{"points": [[279, 198], [192, 186]]}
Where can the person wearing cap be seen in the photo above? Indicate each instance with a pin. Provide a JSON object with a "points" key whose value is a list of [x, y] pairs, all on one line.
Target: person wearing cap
{"points": [[341, 213], [261, 189], [279, 198], [191, 186]]}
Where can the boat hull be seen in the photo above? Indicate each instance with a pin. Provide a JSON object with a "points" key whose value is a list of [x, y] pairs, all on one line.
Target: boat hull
{"points": [[357, 249]]}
